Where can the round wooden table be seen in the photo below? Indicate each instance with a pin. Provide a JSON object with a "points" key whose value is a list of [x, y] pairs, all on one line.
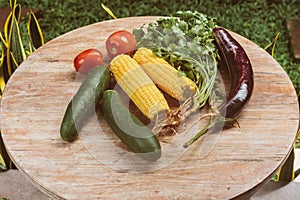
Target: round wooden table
{"points": [[242, 159]]}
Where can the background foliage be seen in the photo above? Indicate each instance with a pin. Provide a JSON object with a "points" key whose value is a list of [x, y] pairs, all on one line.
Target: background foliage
{"points": [[13, 53], [257, 20]]}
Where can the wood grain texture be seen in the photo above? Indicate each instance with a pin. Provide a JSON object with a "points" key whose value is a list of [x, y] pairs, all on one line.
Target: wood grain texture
{"points": [[37, 95]]}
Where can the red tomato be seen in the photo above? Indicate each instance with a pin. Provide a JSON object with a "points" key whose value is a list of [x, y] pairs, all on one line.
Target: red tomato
{"points": [[120, 42], [87, 60]]}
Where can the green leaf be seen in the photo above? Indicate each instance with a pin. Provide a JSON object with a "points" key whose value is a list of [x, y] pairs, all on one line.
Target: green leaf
{"points": [[34, 31], [5, 69], [108, 11], [2, 164], [186, 43], [17, 12], [6, 28], [15, 51], [12, 3], [2, 39], [13, 60], [1, 56], [31, 48], [2, 78], [286, 172], [272, 44], [4, 158]]}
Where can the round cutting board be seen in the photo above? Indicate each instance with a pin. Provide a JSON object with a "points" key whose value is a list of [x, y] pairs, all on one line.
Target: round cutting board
{"points": [[93, 167]]}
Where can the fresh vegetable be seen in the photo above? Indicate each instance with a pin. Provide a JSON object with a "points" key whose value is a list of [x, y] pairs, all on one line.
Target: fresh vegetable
{"points": [[137, 137], [138, 86], [166, 77], [186, 42], [241, 73], [88, 59], [120, 42], [82, 104]]}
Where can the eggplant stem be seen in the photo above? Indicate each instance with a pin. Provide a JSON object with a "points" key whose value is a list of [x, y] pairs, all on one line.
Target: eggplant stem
{"points": [[199, 134], [231, 122], [211, 123]]}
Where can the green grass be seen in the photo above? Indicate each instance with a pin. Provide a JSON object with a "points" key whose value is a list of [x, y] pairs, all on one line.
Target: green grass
{"points": [[258, 20]]}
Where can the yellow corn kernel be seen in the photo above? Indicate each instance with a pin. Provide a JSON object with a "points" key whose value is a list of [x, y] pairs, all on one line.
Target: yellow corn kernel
{"points": [[164, 75], [138, 86]]}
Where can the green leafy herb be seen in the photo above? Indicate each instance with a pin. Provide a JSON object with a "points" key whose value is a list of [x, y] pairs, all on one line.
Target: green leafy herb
{"points": [[186, 42]]}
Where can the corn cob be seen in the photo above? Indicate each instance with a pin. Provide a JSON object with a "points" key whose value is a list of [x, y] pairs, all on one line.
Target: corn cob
{"points": [[138, 86], [164, 75]]}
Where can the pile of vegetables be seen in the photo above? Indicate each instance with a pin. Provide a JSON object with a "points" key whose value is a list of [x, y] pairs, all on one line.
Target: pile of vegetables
{"points": [[186, 42], [176, 55]]}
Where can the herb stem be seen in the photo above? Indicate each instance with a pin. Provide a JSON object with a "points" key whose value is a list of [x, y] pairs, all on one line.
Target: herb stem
{"points": [[199, 134]]}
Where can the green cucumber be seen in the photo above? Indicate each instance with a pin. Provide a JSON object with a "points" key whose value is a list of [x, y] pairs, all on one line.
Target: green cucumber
{"points": [[84, 101], [132, 132]]}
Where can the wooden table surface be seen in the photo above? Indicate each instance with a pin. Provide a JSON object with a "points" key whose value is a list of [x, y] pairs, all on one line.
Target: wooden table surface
{"points": [[242, 159]]}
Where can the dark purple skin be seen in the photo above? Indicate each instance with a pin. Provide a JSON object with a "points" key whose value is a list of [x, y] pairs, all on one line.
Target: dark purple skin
{"points": [[240, 70]]}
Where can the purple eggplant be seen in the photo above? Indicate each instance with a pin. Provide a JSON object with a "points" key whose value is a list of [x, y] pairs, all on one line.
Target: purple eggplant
{"points": [[241, 75], [240, 70]]}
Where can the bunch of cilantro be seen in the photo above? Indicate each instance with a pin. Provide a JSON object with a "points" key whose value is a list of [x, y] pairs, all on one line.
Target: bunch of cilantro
{"points": [[186, 42]]}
